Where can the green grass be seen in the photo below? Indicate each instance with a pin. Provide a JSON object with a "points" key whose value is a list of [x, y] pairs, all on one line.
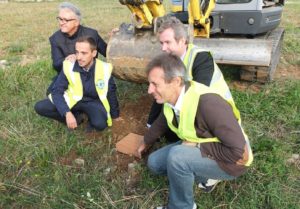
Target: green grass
{"points": [[291, 46], [37, 168]]}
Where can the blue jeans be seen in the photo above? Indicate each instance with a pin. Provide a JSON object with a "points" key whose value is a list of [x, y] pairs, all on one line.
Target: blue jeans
{"points": [[183, 165]]}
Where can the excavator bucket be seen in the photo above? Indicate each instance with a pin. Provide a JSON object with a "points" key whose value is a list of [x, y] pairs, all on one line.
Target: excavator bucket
{"points": [[238, 51], [129, 51]]}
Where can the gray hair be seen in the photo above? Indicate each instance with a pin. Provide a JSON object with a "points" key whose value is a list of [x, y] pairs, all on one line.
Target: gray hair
{"points": [[176, 25], [172, 66], [72, 7]]}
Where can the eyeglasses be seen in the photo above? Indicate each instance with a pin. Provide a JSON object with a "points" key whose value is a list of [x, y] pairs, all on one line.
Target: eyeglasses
{"points": [[64, 20]]}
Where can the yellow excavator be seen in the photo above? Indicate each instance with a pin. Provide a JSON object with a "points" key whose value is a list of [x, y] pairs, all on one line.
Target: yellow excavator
{"points": [[237, 32]]}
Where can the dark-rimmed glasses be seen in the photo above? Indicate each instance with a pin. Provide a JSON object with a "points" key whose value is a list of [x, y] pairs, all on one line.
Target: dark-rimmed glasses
{"points": [[64, 20]]}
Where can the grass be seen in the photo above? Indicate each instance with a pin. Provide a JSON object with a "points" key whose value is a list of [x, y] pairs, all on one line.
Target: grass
{"points": [[291, 46], [37, 168]]}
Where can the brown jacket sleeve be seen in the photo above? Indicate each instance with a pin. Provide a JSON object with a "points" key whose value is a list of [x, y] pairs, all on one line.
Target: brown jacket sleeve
{"points": [[215, 118], [157, 129]]}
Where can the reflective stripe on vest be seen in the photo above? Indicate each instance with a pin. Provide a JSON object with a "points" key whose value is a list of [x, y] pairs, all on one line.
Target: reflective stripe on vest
{"points": [[217, 82], [186, 127], [74, 93]]}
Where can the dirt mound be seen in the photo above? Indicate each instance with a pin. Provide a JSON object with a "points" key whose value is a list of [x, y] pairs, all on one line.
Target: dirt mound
{"points": [[134, 115]]}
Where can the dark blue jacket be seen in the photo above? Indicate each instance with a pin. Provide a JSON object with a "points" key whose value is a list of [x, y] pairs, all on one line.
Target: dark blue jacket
{"points": [[63, 45], [89, 90]]}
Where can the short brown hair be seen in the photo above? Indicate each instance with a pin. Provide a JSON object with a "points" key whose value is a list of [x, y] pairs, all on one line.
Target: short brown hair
{"points": [[171, 65], [176, 25], [88, 39]]}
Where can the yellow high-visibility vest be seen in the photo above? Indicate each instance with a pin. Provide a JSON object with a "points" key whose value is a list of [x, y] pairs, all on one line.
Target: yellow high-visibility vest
{"points": [[217, 82], [186, 127], [74, 93]]}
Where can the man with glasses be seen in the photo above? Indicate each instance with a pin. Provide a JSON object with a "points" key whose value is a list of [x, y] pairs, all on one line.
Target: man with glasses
{"points": [[63, 41]]}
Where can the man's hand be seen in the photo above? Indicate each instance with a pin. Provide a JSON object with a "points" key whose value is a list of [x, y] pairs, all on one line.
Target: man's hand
{"points": [[118, 119], [113, 31], [140, 149], [71, 120], [71, 58]]}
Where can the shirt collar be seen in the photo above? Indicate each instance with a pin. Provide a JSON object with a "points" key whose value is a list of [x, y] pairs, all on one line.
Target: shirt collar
{"points": [[182, 56], [179, 102], [74, 35], [79, 69]]}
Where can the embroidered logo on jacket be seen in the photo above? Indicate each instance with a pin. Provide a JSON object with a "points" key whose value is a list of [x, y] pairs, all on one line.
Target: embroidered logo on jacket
{"points": [[100, 84]]}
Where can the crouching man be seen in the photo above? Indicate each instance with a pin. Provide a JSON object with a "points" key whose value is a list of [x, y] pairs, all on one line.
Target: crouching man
{"points": [[213, 145], [85, 86]]}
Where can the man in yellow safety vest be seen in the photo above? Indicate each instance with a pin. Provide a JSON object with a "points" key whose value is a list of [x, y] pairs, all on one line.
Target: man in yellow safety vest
{"points": [[85, 86], [213, 145], [200, 65]]}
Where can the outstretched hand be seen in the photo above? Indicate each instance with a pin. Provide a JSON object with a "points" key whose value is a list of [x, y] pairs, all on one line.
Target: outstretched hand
{"points": [[118, 119], [71, 120], [71, 58], [113, 31], [141, 149]]}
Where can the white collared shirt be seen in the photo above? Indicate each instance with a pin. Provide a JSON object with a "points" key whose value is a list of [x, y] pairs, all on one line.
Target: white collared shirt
{"points": [[178, 104], [182, 56]]}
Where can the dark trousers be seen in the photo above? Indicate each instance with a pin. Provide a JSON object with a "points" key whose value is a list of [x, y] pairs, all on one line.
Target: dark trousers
{"points": [[94, 110], [153, 115]]}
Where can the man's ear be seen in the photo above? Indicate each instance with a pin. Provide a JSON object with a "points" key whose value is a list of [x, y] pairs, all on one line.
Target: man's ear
{"points": [[182, 41], [94, 52], [176, 81], [77, 23]]}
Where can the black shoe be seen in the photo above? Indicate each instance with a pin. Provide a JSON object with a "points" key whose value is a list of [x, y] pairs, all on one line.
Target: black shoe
{"points": [[79, 118], [209, 186]]}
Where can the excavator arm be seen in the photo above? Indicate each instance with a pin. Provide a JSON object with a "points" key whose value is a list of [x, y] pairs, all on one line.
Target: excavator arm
{"points": [[199, 16], [144, 13]]}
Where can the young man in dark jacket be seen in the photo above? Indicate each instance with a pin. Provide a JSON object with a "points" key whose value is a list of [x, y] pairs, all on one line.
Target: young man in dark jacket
{"points": [[84, 86]]}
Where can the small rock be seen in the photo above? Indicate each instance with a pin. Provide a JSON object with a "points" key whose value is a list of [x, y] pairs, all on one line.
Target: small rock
{"points": [[107, 171], [290, 161], [3, 64], [293, 160], [131, 165], [132, 168], [296, 156], [79, 161]]}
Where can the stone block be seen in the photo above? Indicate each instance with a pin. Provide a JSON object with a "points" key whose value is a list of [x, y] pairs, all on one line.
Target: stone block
{"points": [[129, 144]]}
